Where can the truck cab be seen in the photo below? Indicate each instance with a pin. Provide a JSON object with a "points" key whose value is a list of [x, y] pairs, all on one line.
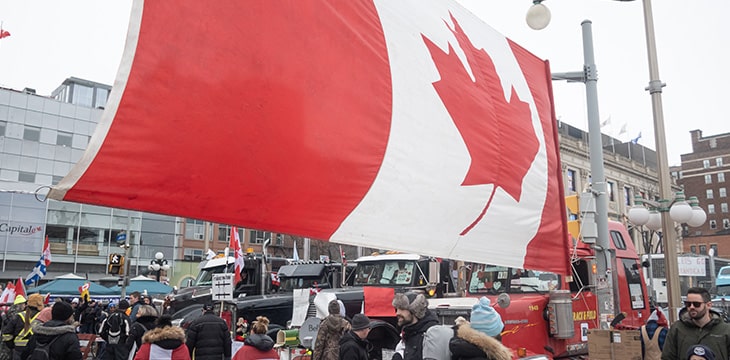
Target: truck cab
{"points": [[251, 277], [547, 313], [407, 272]]}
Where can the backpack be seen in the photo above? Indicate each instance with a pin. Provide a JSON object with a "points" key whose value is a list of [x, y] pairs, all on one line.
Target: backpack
{"points": [[42, 351], [114, 330]]}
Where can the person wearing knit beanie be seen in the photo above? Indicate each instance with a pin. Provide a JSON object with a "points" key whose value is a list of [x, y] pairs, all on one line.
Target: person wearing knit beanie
{"points": [[61, 311], [331, 329], [485, 319]]}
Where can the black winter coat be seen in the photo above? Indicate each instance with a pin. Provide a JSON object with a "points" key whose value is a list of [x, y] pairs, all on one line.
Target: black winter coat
{"points": [[413, 336], [66, 346], [354, 348], [137, 330], [209, 338]]}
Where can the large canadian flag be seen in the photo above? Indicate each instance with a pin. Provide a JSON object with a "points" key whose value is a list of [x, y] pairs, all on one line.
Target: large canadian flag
{"points": [[408, 125]]}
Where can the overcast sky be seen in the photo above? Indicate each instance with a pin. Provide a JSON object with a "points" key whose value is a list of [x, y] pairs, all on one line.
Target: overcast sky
{"points": [[53, 40]]}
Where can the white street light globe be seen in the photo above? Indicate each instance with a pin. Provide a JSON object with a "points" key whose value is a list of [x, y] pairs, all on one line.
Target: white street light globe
{"points": [[155, 267], [698, 217], [538, 16], [165, 267], [680, 212], [159, 255], [655, 221], [638, 215]]}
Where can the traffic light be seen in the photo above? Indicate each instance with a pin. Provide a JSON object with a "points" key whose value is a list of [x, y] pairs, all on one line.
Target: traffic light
{"points": [[581, 210], [116, 264], [572, 203]]}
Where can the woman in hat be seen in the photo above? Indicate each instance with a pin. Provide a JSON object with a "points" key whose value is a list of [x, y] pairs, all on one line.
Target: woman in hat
{"points": [[257, 345], [479, 339], [163, 342]]}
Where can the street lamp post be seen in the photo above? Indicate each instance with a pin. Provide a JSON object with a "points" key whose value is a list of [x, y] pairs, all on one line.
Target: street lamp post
{"points": [[679, 211], [538, 17], [158, 264]]}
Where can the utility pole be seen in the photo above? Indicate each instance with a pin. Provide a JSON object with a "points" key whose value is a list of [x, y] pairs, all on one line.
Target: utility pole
{"points": [[596, 203]]}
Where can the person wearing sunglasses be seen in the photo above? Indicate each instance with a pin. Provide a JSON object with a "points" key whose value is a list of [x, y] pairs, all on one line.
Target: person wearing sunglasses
{"points": [[699, 324]]}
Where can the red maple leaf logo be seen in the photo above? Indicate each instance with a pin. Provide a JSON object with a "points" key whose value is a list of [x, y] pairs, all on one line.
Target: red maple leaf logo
{"points": [[498, 134]]}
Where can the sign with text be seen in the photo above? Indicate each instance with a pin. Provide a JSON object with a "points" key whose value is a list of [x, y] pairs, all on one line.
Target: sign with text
{"points": [[692, 266], [222, 288]]}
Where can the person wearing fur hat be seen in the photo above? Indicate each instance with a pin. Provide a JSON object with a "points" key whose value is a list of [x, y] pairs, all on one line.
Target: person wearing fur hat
{"points": [[480, 338], [354, 344], [653, 334], [19, 330], [163, 342], [331, 329], [414, 319], [61, 329], [258, 345]]}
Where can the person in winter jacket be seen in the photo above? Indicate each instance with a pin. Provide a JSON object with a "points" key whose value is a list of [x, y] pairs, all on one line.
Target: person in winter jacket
{"points": [[698, 324], [146, 321], [354, 344], [163, 342], [20, 326], [331, 329], [415, 319], [653, 335], [61, 329], [480, 338], [116, 348], [208, 337], [258, 345], [700, 352], [89, 317]]}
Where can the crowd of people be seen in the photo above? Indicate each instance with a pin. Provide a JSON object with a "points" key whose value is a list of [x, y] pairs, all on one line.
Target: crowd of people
{"points": [[135, 329]]}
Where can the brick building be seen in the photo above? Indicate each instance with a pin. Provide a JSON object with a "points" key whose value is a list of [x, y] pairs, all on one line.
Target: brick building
{"points": [[703, 174]]}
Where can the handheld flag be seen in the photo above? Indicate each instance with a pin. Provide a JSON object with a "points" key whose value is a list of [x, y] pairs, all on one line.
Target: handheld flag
{"points": [[84, 291], [39, 271], [235, 245], [8, 294], [4, 33], [19, 288], [295, 256]]}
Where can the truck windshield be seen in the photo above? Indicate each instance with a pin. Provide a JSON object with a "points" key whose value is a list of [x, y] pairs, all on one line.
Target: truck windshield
{"points": [[396, 272], [290, 284], [490, 279], [205, 277]]}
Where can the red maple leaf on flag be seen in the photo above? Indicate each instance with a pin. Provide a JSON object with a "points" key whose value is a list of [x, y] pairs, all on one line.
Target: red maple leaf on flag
{"points": [[498, 134]]}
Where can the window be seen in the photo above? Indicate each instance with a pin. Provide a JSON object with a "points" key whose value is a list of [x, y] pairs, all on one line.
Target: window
{"points": [[726, 223], [618, 240], [710, 194], [64, 138], [706, 164], [32, 133], [721, 177], [193, 255], [24, 176], [627, 195], [723, 208], [723, 192], [713, 247], [100, 98], [258, 237], [3, 125], [708, 179], [693, 249], [611, 196], [56, 179], [571, 180], [718, 161], [713, 224], [633, 279], [703, 249], [711, 208], [82, 95], [224, 234], [194, 229]]}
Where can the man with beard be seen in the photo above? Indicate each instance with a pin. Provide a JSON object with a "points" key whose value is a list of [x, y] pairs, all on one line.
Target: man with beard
{"points": [[414, 319], [698, 324]]}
